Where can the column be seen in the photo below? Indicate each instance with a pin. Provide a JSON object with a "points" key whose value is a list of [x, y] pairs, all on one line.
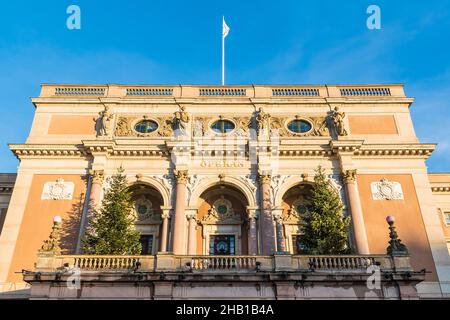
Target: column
{"points": [[165, 228], [192, 236], [92, 202], [359, 229], [279, 228], [252, 234], [267, 229], [97, 177], [180, 218]]}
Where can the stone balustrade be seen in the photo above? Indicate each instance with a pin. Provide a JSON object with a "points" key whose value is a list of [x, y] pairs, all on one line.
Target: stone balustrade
{"points": [[389, 91], [167, 262], [223, 263]]}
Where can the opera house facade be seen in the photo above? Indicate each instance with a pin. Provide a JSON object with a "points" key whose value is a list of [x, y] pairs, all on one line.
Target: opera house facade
{"points": [[220, 178]]}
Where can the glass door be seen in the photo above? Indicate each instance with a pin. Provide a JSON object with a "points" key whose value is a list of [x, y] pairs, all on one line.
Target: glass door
{"points": [[222, 245]]}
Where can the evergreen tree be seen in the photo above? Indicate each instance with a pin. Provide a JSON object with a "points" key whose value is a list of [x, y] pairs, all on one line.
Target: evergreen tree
{"points": [[111, 229], [325, 230]]}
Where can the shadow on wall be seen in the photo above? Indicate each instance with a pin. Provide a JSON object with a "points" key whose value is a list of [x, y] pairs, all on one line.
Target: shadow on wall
{"points": [[70, 227]]}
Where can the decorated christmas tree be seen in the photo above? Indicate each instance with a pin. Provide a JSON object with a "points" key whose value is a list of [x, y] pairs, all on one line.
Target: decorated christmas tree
{"points": [[111, 229], [325, 230]]}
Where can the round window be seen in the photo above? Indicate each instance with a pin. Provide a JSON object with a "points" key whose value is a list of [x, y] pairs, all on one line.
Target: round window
{"points": [[223, 126], [146, 126], [142, 209], [299, 126], [222, 209], [301, 209]]}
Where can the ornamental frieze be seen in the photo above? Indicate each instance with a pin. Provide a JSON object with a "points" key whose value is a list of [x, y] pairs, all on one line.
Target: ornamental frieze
{"points": [[318, 125], [125, 126]]}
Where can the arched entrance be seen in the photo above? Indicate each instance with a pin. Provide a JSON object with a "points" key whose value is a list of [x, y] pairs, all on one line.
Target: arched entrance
{"points": [[222, 223], [147, 208], [294, 208]]}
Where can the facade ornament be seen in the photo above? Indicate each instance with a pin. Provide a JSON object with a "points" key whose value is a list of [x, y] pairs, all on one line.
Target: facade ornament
{"points": [[59, 190], [221, 212], [51, 245], [304, 177], [276, 182], [125, 123], [139, 177], [97, 176], [144, 209], [103, 121], [321, 127], [350, 176], [318, 124], [181, 176], [333, 181], [192, 183], [396, 247], [295, 212], [386, 190], [263, 121], [191, 215], [198, 128], [165, 214], [123, 127], [278, 217], [221, 177], [264, 178], [181, 120], [250, 181], [338, 122], [251, 214]]}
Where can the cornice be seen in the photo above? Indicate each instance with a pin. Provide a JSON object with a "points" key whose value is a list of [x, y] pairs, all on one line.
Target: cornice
{"points": [[110, 149], [88, 148], [441, 189], [6, 188], [48, 150]]}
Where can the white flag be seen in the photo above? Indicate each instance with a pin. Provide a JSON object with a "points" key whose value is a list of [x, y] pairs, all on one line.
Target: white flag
{"points": [[225, 29]]}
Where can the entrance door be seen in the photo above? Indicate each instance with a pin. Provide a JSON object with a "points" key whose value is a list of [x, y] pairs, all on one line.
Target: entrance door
{"points": [[146, 244], [222, 245]]}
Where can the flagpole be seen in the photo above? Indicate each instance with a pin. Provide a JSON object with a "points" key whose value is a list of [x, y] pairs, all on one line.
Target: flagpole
{"points": [[223, 53]]}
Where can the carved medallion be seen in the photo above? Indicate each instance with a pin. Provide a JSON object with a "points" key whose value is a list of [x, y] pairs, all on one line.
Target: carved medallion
{"points": [[386, 190], [59, 190]]}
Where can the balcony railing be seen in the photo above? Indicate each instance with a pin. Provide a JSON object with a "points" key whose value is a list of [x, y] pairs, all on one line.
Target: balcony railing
{"points": [[177, 263]]}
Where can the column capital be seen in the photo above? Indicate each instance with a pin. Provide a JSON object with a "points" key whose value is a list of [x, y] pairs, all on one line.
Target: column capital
{"points": [[165, 212], [97, 176], [350, 176], [181, 176], [277, 216], [264, 178], [252, 214], [191, 213]]}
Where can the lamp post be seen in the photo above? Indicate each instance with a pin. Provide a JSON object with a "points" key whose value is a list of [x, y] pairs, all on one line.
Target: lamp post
{"points": [[396, 247]]}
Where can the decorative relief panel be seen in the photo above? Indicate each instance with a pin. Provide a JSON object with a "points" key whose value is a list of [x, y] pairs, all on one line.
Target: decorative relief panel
{"points": [[143, 209], [59, 190], [125, 126], [319, 126], [202, 125], [386, 190], [221, 212], [275, 184]]}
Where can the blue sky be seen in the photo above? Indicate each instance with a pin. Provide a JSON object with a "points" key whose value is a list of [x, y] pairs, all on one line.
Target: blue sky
{"points": [[171, 42]]}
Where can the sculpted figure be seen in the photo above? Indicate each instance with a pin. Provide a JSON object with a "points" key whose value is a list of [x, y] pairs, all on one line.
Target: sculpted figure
{"points": [[263, 120], [103, 122], [181, 120], [338, 122]]}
